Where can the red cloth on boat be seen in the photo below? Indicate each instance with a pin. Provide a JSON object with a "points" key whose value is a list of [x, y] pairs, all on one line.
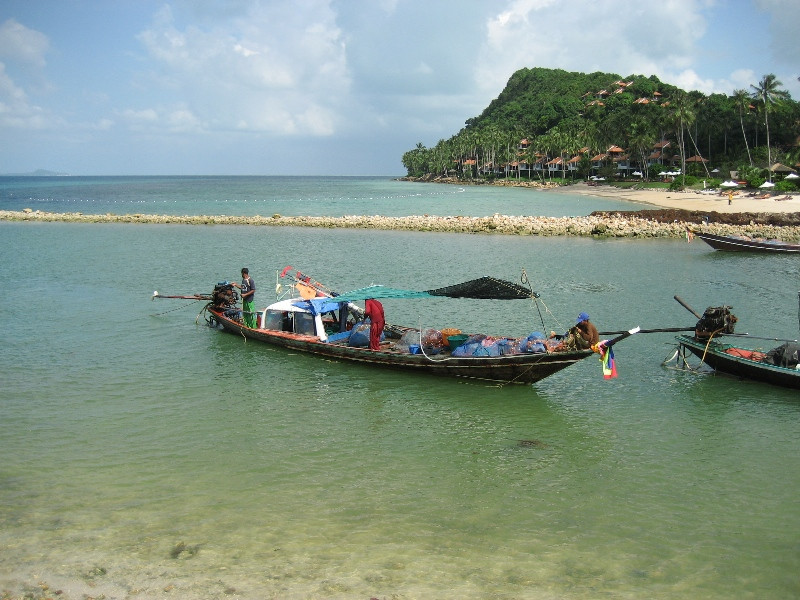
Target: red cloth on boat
{"points": [[374, 310]]}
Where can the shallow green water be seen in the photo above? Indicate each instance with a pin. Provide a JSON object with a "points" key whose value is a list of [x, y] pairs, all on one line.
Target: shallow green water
{"points": [[129, 429]]}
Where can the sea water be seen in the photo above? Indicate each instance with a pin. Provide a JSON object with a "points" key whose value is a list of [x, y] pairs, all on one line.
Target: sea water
{"points": [[287, 196], [145, 454]]}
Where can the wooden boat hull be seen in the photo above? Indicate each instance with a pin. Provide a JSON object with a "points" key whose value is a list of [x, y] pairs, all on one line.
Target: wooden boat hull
{"points": [[738, 364], [720, 242], [515, 368]]}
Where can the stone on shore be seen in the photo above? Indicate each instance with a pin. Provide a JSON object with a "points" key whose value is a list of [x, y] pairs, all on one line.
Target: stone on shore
{"points": [[639, 224]]}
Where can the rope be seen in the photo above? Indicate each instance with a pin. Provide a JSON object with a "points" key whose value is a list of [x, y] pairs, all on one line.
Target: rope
{"points": [[174, 309], [536, 299]]}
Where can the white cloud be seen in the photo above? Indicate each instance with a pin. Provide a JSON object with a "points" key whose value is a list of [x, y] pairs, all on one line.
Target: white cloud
{"points": [[20, 43], [604, 35], [26, 48], [148, 115], [16, 111], [279, 69], [182, 121]]}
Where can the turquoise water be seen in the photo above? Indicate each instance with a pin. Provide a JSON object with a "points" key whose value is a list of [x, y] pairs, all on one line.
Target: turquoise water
{"points": [[288, 196], [146, 455]]}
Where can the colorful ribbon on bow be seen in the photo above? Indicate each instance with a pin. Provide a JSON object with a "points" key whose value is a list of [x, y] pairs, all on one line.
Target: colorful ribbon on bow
{"points": [[606, 353]]}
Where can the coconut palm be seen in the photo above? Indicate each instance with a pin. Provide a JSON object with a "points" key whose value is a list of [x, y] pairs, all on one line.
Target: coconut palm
{"points": [[641, 138], [768, 92], [682, 115], [742, 101]]}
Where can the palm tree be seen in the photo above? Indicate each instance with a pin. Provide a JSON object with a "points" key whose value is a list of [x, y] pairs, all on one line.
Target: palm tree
{"points": [[742, 101], [640, 141], [683, 116], [767, 92]]}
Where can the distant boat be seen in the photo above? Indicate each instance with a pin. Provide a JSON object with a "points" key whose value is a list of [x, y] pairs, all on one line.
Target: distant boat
{"points": [[745, 244]]}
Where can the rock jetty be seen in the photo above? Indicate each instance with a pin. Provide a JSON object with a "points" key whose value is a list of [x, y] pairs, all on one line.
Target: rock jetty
{"points": [[640, 224]]}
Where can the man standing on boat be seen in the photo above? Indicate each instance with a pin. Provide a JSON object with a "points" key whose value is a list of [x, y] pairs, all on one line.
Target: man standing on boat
{"points": [[374, 310], [248, 289]]}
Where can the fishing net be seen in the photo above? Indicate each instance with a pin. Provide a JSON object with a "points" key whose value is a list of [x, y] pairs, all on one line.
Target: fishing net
{"points": [[485, 288], [786, 355]]}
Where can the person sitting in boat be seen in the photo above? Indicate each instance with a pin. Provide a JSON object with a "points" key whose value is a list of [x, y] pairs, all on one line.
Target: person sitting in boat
{"points": [[583, 335], [374, 311]]}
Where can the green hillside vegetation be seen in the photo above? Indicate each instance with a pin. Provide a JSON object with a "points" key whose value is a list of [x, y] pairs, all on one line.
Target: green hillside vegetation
{"points": [[558, 125]]}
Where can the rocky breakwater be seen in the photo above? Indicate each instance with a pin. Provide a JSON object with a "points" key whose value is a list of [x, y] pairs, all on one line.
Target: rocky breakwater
{"points": [[642, 224]]}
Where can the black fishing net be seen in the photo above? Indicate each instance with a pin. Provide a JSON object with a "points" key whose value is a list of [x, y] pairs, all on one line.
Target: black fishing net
{"points": [[485, 288]]}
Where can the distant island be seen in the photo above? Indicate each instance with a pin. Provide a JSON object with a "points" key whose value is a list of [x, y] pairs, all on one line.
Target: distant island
{"points": [[36, 173]]}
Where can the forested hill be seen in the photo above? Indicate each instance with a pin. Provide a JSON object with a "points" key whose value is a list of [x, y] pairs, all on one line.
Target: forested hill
{"points": [[559, 113], [536, 100]]}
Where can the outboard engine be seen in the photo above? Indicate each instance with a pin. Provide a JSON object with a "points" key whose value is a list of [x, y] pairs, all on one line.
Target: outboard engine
{"points": [[715, 320], [224, 295]]}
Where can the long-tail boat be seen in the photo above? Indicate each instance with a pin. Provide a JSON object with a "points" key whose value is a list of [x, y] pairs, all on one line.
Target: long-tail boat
{"points": [[713, 344], [321, 323], [739, 243]]}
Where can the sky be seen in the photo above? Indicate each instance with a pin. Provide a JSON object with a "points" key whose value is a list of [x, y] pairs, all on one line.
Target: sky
{"points": [[332, 87]]}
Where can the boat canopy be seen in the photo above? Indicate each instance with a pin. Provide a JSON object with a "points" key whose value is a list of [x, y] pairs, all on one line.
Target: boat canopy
{"points": [[484, 288]]}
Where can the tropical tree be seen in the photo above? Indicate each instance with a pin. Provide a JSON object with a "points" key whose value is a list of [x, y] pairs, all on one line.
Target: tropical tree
{"points": [[415, 161], [682, 116], [641, 137], [742, 101], [768, 92]]}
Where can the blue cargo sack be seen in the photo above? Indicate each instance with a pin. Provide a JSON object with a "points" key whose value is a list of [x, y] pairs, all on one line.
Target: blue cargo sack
{"points": [[476, 346], [533, 344], [359, 336]]}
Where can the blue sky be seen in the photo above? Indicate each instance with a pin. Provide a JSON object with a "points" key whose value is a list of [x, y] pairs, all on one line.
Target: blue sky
{"points": [[246, 87]]}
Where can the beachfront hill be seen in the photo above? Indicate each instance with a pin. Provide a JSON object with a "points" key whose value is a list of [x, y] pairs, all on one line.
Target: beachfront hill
{"points": [[550, 124]]}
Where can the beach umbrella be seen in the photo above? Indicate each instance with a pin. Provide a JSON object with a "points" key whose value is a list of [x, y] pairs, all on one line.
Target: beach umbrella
{"points": [[767, 184], [793, 176], [637, 173], [779, 168], [715, 170], [729, 184]]}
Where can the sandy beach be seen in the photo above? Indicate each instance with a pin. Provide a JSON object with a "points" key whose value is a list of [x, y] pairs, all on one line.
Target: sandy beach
{"points": [[742, 201]]}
